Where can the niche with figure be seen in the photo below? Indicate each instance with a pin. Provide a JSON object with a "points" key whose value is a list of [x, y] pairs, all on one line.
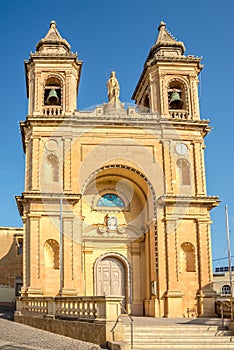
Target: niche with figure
{"points": [[51, 254], [51, 168], [184, 171], [188, 257]]}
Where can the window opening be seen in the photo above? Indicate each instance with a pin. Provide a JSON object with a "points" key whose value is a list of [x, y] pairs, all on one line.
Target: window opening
{"points": [[110, 200]]}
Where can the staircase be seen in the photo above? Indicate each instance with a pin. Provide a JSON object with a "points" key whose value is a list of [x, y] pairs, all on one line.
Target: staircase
{"points": [[178, 334]]}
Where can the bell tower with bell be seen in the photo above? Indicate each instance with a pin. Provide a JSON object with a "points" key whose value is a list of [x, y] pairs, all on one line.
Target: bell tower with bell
{"points": [[52, 80], [168, 90], [52, 76], [168, 84]]}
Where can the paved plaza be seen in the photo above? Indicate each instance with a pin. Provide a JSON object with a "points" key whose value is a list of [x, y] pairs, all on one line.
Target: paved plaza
{"points": [[17, 336]]}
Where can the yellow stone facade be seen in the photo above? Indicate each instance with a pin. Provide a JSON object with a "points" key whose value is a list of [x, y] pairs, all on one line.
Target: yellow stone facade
{"points": [[115, 199]]}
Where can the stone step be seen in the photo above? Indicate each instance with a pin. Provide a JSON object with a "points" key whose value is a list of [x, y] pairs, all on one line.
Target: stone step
{"points": [[182, 336], [186, 332], [179, 334], [210, 346], [209, 338], [176, 328], [152, 332], [189, 341], [175, 334]]}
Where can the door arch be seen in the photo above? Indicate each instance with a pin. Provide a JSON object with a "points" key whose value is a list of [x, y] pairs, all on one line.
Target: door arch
{"points": [[112, 276]]}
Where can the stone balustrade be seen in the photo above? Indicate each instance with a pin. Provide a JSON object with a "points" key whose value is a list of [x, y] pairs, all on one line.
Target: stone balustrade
{"points": [[49, 111], [87, 308], [179, 114]]}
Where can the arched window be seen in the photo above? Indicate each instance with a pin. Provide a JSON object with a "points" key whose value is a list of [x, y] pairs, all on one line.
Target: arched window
{"points": [[176, 95], [52, 168], [188, 257], [226, 290], [51, 254], [52, 92], [184, 169], [110, 200]]}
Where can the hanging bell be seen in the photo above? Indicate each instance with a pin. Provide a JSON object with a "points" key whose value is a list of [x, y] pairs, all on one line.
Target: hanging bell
{"points": [[175, 101], [52, 98]]}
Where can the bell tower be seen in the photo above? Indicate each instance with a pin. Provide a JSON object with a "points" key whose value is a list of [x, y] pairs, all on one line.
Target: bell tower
{"points": [[52, 80], [168, 90], [168, 83], [52, 76]]}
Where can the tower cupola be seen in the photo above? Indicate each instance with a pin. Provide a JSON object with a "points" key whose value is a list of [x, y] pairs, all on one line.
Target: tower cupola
{"points": [[168, 84], [52, 76]]}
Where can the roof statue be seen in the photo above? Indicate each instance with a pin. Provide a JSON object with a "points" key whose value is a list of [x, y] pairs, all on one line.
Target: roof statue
{"points": [[113, 90]]}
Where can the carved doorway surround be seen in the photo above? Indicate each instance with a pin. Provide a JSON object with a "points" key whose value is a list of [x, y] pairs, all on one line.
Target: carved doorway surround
{"points": [[113, 277]]}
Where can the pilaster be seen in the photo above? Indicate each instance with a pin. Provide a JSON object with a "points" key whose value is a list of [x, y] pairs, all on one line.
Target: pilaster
{"points": [[167, 162], [35, 163], [35, 287], [67, 164], [137, 305], [199, 168], [68, 287]]}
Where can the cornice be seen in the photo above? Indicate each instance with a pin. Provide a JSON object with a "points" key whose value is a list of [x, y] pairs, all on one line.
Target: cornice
{"points": [[50, 196], [33, 196], [94, 119], [205, 201]]}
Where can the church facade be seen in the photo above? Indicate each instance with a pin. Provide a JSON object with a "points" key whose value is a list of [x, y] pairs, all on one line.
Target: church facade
{"points": [[115, 199]]}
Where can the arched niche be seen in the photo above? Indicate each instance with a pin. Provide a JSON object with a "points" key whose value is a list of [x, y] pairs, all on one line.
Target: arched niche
{"points": [[51, 170], [184, 171], [51, 254], [188, 263]]}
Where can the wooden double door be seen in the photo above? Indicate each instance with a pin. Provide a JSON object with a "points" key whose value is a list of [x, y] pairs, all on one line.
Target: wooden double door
{"points": [[111, 277]]}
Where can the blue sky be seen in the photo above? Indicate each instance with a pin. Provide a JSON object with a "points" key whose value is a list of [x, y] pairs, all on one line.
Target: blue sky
{"points": [[118, 35]]}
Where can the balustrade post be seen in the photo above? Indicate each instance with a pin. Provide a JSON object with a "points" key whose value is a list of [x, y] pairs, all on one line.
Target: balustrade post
{"points": [[108, 307], [19, 305], [51, 308]]}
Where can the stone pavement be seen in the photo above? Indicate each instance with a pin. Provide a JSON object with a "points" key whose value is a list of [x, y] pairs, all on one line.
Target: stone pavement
{"points": [[17, 336]]}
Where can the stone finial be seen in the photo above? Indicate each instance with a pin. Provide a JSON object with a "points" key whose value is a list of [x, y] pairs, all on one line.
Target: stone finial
{"points": [[162, 24], [53, 24]]}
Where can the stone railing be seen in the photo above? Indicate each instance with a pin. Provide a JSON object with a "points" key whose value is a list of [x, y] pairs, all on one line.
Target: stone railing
{"points": [[88, 308], [52, 111], [179, 114]]}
